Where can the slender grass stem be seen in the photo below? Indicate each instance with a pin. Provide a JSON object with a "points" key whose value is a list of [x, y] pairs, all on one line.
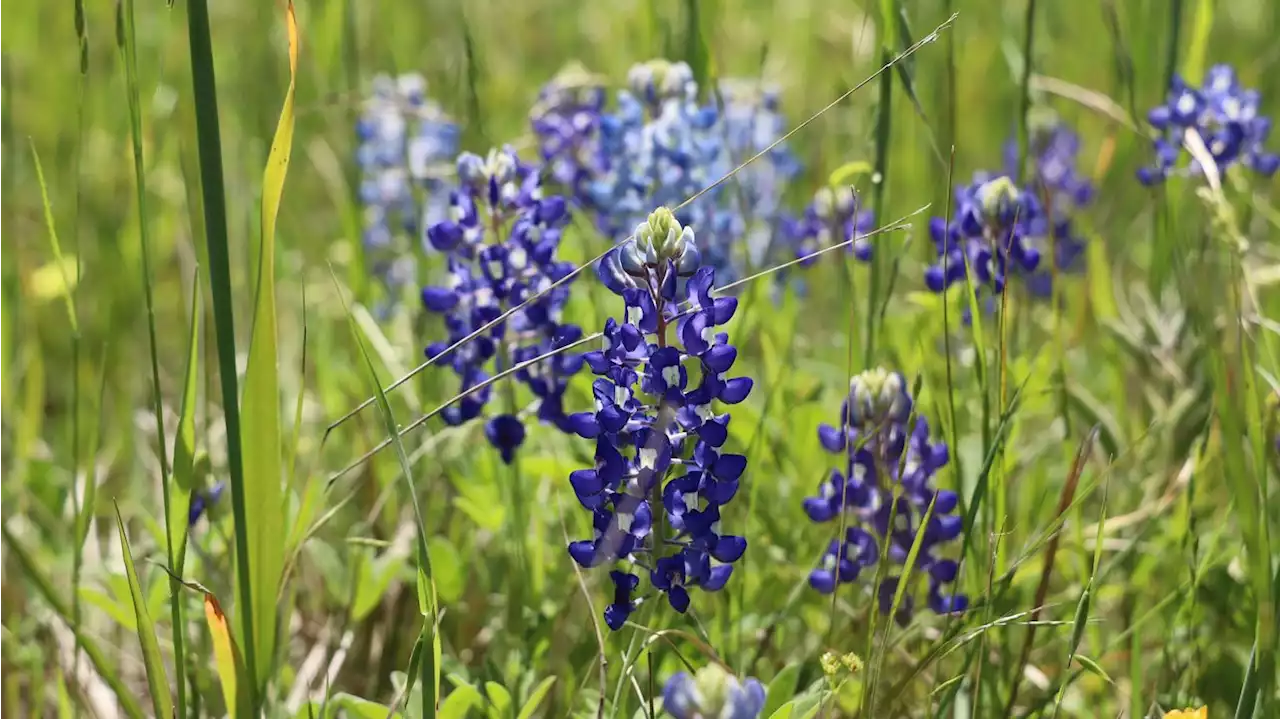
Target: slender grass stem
{"points": [[129, 47]]}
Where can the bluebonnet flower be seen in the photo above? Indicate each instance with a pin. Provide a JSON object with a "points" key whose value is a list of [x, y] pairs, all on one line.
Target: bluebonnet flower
{"points": [[659, 148], [566, 120], [661, 475], [752, 122], [404, 141], [1053, 176], [997, 228], [501, 239], [712, 693], [884, 458], [1224, 114], [202, 500], [834, 216]]}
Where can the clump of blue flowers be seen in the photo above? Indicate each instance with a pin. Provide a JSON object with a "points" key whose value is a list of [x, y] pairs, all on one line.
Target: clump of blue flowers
{"points": [[501, 239], [661, 477], [406, 145], [992, 229], [884, 488], [566, 120], [1226, 117], [660, 146], [752, 122], [1005, 229], [833, 217], [712, 692]]}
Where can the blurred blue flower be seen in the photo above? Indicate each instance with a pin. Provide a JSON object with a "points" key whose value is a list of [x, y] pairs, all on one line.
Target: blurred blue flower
{"points": [[834, 216], [1225, 115], [658, 146], [202, 500], [501, 239], [886, 455], [659, 458], [566, 120], [1053, 176], [752, 122], [405, 146], [712, 693]]}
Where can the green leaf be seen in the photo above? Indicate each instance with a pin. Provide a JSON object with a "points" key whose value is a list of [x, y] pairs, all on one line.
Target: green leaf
{"points": [[535, 699], [782, 689], [157, 681], [361, 708], [1193, 66], [499, 700], [446, 565], [372, 585], [265, 512], [460, 702], [1093, 668], [784, 711], [844, 174]]}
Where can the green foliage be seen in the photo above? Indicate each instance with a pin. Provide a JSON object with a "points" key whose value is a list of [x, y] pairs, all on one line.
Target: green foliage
{"points": [[395, 590]]}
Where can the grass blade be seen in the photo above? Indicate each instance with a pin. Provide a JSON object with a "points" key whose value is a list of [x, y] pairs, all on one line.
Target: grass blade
{"points": [[184, 442], [261, 431], [209, 139], [129, 48], [157, 681], [54, 245], [1193, 66], [428, 599]]}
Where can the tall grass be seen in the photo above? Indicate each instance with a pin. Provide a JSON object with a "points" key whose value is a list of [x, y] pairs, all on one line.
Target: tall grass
{"points": [[352, 599]]}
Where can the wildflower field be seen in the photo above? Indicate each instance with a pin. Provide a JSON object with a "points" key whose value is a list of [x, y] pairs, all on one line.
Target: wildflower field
{"points": [[689, 358]]}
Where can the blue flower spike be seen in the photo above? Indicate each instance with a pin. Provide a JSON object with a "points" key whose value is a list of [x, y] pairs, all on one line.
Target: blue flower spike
{"points": [[889, 460], [500, 240], [712, 692], [662, 475], [405, 146], [1227, 117]]}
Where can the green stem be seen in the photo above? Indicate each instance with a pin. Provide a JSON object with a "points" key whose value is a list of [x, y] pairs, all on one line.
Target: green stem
{"points": [[129, 44], [1024, 110]]}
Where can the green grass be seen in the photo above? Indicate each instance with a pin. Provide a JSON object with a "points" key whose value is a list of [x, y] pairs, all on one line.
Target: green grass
{"points": [[171, 320]]}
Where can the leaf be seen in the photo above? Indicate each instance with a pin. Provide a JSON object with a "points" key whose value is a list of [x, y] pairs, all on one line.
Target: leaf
{"points": [[539, 693], [264, 505], [360, 707], [784, 711], [460, 702], [46, 288], [226, 658], [446, 565], [782, 689], [372, 585], [157, 681], [843, 174], [1193, 66], [499, 700], [1093, 668]]}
